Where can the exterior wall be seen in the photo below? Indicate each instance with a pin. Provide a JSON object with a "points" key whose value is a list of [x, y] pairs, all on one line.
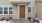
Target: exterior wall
{"points": [[26, 11], [32, 14], [15, 12], [39, 9], [32, 3], [5, 3], [38, 0], [15, 9], [5, 15], [16, 16]]}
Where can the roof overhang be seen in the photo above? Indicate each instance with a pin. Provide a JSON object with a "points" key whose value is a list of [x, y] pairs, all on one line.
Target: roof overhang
{"points": [[16, 3], [20, 0]]}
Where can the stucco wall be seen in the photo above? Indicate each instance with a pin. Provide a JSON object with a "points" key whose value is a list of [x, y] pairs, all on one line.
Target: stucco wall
{"points": [[39, 9], [15, 9], [15, 12], [5, 15], [32, 14], [5, 3]]}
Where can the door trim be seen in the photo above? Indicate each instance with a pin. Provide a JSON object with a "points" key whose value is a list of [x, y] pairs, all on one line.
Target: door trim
{"points": [[19, 10]]}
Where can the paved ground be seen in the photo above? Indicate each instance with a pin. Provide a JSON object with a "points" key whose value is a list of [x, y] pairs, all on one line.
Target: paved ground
{"points": [[21, 21]]}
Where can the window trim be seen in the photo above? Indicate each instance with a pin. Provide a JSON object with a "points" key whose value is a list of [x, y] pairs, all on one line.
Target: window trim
{"points": [[3, 9], [31, 9]]}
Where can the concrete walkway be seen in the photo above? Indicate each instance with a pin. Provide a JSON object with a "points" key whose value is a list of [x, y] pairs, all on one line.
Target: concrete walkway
{"points": [[21, 21]]}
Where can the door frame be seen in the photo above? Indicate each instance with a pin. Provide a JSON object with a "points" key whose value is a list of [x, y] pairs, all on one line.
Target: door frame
{"points": [[19, 10]]}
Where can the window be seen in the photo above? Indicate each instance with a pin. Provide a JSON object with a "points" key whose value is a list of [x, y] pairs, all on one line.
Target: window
{"points": [[0, 10], [5, 9], [5, 12], [29, 9], [10, 10], [32, 9]]}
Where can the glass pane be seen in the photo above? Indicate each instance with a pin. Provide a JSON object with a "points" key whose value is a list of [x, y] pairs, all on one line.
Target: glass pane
{"points": [[10, 12], [29, 9], [5, 8], [5, 12], [0, 12], [10, 8], [33, 9], [0, 8]]}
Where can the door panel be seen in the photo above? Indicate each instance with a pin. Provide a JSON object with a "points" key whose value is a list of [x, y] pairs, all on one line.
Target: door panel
{"points": [[22, 11]]}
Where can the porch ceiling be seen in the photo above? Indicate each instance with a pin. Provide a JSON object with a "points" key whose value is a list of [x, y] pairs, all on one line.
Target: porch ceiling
{"points": [[16, 3], [20, 0]]}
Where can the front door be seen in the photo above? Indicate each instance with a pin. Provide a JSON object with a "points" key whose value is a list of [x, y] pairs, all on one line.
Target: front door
{"points": [[22, 11]]}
